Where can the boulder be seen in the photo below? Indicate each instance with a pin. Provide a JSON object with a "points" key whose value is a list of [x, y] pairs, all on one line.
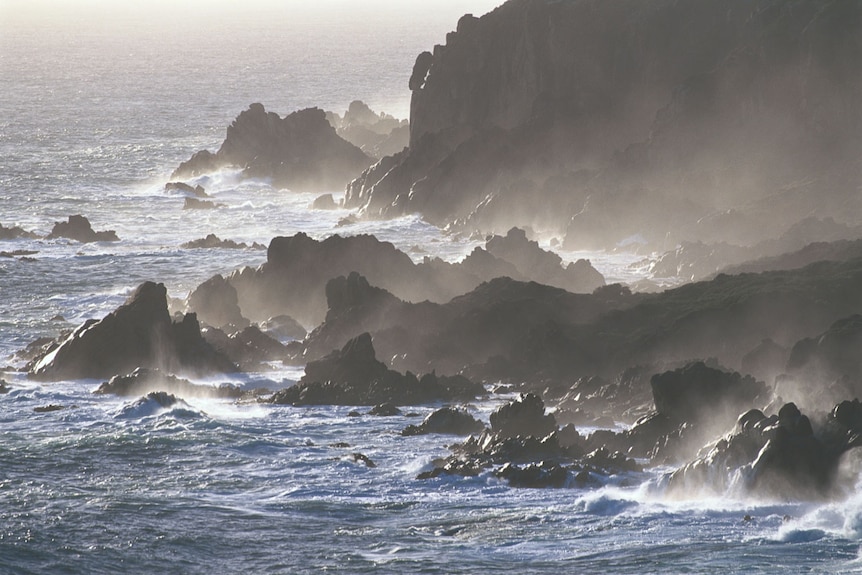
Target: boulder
{"points": [[324, 202], [285, 327], [524, 416], [301, 151], [196, 204], [139, 333], [78, 228], [446, 420]]}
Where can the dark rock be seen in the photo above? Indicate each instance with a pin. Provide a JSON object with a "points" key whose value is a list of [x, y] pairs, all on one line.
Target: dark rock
{"points": [[78, 228], [361, 457], [375, 134], [831, 358], [197, 191], [780, 456], [324, 202], [543, 266], [300, 151], [15, 232], [215, 303], [446, 420], [249, 348], [766, 360], [48, 408], [385, 410], [354, 376], [285, 327], [541, 475], [139, 333], [195, 204], [213, 241], [144, 381], [4, 386], [297, 268], [505, 115], [697, 391], [524, 416]]}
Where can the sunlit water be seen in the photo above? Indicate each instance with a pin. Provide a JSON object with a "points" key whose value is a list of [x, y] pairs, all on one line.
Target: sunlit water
{"points": [[109, 485]]}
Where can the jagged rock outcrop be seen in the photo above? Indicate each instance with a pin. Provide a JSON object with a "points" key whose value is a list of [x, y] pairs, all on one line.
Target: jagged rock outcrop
{"points": [[298, 267], [215, 303], [139, 333], [783, 456], [583, 116], [354, 376], [300, 151], [541, 337], [377, 135], [525, 447], [78, 228]]}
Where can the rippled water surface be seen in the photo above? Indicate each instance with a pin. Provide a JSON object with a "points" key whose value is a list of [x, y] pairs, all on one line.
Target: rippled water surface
{"points": [[94, 115]]}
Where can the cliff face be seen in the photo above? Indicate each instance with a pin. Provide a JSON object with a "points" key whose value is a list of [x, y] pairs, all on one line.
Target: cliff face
{"points": [[621, 117]]}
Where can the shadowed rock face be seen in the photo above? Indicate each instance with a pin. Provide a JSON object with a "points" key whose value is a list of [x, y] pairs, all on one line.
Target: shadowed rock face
{"points": [[300, 151], [139, 333], [354, 376], [298, 268], [626, 117], [526, 332]]}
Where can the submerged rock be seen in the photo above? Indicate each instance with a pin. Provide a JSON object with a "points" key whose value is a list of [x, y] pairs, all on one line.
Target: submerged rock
{"points": [[139, 333], [213, 241], [78, 228], [197, 191]]}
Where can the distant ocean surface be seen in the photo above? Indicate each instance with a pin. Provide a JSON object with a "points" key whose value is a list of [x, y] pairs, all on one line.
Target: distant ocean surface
{"points": [[98, 104]]}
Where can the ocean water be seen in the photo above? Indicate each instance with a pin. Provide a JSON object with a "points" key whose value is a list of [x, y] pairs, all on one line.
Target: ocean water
{"points": [[98, 104]]}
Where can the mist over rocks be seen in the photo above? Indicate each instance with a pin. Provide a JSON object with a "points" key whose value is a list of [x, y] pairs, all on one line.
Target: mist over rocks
{"points": [[783, 456], [293, 279], [377, 135], [78, 228], [301, 151], [354, 376], [139, 333], [582, 116], [143, 381]]}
